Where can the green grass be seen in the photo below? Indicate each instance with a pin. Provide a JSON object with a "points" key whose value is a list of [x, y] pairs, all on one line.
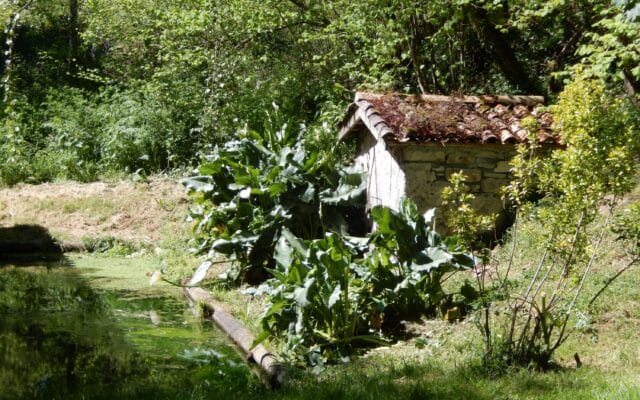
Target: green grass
{"points": [[448, 367], [119, 273], [418, 377]]}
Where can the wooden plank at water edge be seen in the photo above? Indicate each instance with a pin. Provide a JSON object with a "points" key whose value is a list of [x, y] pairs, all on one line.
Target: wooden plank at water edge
{"points": [[239, 334]]}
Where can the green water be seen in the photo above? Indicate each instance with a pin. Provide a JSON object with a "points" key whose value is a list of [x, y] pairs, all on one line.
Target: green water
{"points": [[64, 333]]}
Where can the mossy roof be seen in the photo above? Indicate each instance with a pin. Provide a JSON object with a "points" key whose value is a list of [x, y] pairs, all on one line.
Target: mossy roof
{"points": [[450, 119]]}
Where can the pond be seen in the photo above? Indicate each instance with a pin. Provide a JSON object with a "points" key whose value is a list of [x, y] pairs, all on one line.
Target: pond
{"points": [[69, 332]]}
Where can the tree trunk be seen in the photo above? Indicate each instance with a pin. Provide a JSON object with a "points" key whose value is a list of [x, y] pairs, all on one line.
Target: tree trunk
{"points": [[415, 43], [497, 43], [631, 85], [74, 41]]}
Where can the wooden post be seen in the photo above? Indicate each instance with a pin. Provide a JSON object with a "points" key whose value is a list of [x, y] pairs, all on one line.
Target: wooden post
{"points": [[240, 335]]}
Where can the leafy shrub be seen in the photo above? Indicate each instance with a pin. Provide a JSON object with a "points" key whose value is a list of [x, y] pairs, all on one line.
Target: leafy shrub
{"points": [[331, 294], [81, 135], [411, 258], [595, 169], [320, 296], [122, 130], [464, 221], [275, 206], [255, 184]]}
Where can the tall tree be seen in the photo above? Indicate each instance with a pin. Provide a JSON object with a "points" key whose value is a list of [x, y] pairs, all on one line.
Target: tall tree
{"points": [[74, 39]]}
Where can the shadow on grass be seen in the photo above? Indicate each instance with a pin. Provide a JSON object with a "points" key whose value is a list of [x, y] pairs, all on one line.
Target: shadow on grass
{"points": [[30, 245]]}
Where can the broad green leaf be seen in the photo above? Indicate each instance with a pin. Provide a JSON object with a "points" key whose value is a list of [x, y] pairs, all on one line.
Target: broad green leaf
{"points": [[335, 296], [200, 273], [283, 254], [245, 193], [296, 244], [309, 194], [262, 336], [301, 293], [198, 183], [429, 214]]}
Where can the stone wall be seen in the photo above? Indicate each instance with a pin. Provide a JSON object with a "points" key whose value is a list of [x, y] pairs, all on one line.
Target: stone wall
{"points": [[427, 167]]}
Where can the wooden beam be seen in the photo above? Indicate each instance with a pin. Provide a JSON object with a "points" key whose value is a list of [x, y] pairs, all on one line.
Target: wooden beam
{"points": [[240, 335]]}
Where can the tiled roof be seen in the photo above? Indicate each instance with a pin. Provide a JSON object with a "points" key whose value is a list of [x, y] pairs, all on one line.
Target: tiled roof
{"points": [[430, 118]]}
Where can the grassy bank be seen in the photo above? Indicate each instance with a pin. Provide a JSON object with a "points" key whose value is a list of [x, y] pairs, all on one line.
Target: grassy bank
{"points": [[440, 360]]}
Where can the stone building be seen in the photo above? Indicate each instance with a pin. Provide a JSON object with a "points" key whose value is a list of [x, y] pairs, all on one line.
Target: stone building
{"points": [[410, 145]]}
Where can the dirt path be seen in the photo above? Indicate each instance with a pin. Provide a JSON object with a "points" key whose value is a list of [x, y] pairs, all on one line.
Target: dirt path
{"points": [[140, 212]]}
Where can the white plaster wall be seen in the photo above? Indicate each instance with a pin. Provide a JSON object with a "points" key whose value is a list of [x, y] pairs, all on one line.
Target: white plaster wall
{"points": [[385, 178]]}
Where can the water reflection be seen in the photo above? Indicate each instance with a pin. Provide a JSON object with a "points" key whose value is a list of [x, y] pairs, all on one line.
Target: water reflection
{"points": [[60, 338]]}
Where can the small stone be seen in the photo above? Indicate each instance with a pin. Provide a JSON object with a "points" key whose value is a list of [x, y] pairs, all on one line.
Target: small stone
{"points": [[492, 185], [473, 175], [421, 153], [503, 166]]}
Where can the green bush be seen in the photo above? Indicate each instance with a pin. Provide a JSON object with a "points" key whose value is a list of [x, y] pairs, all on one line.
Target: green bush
{"points": [[274, 205], [81, 135], [255, 184], [593, 171], [330, 295]]}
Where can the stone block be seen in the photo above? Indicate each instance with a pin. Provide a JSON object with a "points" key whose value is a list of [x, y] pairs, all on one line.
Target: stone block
{"points": [[460, 157], [473, 175], [488, 204], [503, 166], [492, 185], [437, 186], [486, 164], [497, 175], [416, 175], [491, 154], [421, 153], [424, 196]]}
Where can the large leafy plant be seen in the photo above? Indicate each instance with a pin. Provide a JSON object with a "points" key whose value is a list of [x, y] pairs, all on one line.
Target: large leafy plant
{"points": [[320, 296], [256, 184], [329, 294], [410, 258]]}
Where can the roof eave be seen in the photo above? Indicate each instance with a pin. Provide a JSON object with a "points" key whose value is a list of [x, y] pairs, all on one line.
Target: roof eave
{"points": [[350, 123], [362, 112]]}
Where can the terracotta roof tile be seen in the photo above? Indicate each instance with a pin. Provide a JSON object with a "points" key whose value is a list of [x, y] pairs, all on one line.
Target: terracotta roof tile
{"points": [[429, 118]]}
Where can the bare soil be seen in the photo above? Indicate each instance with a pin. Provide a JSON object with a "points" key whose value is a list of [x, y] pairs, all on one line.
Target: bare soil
{"points": [[143, 212]]}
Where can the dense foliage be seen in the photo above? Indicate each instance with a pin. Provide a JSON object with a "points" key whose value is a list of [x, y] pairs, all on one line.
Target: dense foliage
{"points": [[579, 184], [101, 86], [329, 294], [97, 87], [256, 184], [280, 209]]}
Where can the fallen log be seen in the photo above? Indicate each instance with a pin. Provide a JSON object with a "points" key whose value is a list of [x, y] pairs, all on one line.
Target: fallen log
{"points": [[240, 335]]}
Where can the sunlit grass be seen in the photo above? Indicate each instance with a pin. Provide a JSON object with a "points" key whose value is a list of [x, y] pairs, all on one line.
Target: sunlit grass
{"points": [[447, 367]]}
